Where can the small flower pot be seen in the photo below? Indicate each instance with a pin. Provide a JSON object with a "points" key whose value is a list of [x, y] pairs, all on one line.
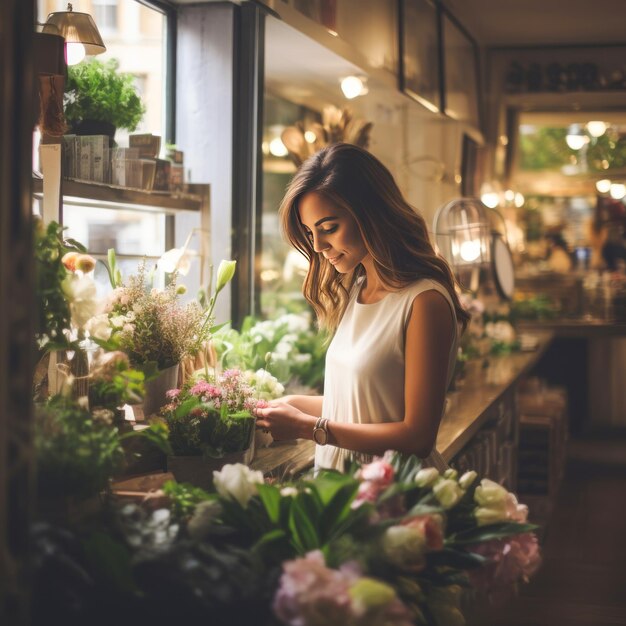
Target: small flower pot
{"points": [[156, 388], [198, 470]]}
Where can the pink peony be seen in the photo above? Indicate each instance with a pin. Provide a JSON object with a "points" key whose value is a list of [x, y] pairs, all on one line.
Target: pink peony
{"points": [[509, 560], [378, 471], [312, 594]]}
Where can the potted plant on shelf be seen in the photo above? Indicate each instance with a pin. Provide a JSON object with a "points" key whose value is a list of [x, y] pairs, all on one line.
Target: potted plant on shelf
{"points": [[154, 327], [99, 99], [210, 424]]}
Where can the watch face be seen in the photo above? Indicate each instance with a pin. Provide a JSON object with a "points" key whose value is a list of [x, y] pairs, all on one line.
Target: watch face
{"points": [[320, 436]]}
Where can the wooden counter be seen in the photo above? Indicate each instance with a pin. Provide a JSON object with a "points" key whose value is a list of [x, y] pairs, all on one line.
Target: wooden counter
{"points": [[467, 410], [585, 328]]}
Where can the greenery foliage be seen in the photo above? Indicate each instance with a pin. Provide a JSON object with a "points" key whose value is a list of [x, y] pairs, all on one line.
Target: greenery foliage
{"points": [[288, 347], [77, 452], [51, 306], [546, 149], [97, 90]]}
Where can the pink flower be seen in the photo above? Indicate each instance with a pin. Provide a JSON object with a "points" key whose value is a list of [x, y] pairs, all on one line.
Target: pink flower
{"points": [[203, 388], [378, 471], [509, 560], [312, 594], [232, 374], [172, 393]]}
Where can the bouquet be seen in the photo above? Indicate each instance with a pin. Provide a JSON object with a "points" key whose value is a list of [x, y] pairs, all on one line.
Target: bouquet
{"points": [[211, 415], [388, 543]]}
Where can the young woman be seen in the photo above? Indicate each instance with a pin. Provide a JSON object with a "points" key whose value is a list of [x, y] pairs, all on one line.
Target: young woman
{"points": [[376, 283]]}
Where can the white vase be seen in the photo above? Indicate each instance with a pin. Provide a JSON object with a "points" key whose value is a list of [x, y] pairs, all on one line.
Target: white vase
{"points": [[155, 389]]}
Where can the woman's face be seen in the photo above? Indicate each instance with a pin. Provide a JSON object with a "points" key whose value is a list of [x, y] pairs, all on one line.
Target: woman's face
{"points": [[333, 232]]}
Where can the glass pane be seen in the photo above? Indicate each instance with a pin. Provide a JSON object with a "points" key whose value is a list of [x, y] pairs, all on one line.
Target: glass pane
{"points": [[129, 232], [282, 268]]}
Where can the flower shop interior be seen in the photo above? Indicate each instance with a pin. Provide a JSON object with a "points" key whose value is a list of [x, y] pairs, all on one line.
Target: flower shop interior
{"points": [[150, 303]]}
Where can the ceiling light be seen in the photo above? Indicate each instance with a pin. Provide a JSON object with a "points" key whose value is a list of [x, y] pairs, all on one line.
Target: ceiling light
{"points": [[596, 128], [353, 86], [310, 136], [79, 31], [604, 185], [490, 199], [519, 200], [509, 195]]}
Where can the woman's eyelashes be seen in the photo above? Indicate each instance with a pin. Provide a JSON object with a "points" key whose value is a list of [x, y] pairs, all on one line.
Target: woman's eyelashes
{"points": [[321, 231]]}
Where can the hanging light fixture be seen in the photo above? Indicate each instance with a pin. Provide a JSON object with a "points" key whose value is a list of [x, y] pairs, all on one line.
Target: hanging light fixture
{"points": [[79, 31]]}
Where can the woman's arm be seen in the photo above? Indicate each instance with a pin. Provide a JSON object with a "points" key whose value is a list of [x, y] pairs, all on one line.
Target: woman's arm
{"points": [[428, 342], [307, 404]]}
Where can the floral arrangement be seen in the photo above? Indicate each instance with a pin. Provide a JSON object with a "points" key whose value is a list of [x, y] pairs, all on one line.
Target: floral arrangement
{"points": [[389, 543], [150, 325], [211, 415], [288, 346]]}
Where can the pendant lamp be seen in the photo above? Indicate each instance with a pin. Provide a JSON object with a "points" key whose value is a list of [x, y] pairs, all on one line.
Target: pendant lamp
{"points": [[79, 31]]}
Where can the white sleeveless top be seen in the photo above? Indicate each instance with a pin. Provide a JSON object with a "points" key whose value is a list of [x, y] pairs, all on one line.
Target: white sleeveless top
{"points": [[364, 377]]}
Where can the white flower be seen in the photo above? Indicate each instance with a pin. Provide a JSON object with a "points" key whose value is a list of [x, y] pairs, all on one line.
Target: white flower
{"points": [[99, 327], [500, 331], [467, 479], [490, 493], [237, 482], [175, 260], [296, 323], [426, 477], [81, 295], [448, 492], [118, 321], [288, 492], [404, 546]]}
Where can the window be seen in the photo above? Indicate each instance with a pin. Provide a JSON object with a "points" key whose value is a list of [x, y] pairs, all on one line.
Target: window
{"points": [[105, 15]]}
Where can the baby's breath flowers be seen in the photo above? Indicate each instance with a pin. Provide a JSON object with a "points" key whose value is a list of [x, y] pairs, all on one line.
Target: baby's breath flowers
{"points": [[153, 326]]}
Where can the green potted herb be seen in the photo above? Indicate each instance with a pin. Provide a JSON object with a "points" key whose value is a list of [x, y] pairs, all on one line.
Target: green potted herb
{"points": [[99, 99]]}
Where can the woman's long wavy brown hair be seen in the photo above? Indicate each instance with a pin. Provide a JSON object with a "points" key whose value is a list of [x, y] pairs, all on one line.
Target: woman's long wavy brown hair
{"points": [[394, 234]]}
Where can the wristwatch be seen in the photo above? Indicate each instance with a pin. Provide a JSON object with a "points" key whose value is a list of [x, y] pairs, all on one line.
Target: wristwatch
{"points": [[320, 432]]}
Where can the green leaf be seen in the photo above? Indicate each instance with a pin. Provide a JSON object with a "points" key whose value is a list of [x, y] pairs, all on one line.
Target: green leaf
{"points": [[111, 560], [302, 530], [491, 531], [270, 497], [456, 559], [338, 509]]}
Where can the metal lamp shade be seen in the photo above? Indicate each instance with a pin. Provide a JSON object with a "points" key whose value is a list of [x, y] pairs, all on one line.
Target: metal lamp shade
{"points": [[76, 28], [463, 233]]}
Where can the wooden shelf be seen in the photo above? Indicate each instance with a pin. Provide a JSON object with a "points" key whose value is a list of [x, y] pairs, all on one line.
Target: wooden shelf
{"points": [[110, 196]]}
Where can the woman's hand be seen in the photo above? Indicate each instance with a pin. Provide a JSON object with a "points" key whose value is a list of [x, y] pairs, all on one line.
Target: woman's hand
{"points": [[285, 421]]}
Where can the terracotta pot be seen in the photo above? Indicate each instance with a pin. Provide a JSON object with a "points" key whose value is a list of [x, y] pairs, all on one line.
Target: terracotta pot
{"points": [[156, 388]]}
